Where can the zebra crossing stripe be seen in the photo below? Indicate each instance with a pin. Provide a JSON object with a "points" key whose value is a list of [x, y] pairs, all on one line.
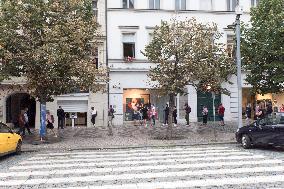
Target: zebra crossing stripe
{"points": [[121, 166], [193, 183], [149, 153], [177, 157], [55, 180], [103, 152]]}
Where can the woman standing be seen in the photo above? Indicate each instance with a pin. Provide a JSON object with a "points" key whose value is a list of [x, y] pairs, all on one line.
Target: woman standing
{"points": [[205, 115], [49, 122]]}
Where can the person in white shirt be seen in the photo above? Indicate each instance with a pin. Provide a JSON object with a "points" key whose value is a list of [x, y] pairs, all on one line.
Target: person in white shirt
{"points": [[94, 115]]}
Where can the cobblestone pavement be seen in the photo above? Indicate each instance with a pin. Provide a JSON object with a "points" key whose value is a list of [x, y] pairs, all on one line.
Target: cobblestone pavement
{"points": [[203, 167], [132, 136]]}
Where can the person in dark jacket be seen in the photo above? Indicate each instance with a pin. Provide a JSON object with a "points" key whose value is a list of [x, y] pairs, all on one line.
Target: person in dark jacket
{"points": [[61, 117], [166, 113], [175, 116]]}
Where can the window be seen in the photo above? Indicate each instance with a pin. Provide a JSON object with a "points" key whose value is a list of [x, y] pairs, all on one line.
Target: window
{"points": [[128, 45], [231, 5], [230, 45], [154, 4], [205, 4], [180, 4], [254, 3], [95, 7], [128, 4]]}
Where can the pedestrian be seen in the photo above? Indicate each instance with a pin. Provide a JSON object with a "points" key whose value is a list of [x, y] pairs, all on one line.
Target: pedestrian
{"points": [[145, 116], [248, 113], [153, 115], [50, 122], [205, 115], [175, 115], [26, 119], [21, 123], [93, 116], [110, 115], [221, 112], [166, 113], [61, 117], [187, 109]]}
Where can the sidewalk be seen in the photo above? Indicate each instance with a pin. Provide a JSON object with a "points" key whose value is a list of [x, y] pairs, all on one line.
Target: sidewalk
{"points": [[131, 136]]}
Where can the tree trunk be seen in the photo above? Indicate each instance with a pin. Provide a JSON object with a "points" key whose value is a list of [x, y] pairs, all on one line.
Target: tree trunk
{"points": [[171, 107], [42, 130]]}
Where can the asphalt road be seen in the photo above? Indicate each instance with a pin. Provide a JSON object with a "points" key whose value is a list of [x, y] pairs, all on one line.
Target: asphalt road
{"points": [[206, 166]]}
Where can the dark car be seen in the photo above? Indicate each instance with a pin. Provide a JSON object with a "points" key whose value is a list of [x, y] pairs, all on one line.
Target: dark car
{"points": [[262, 132]]}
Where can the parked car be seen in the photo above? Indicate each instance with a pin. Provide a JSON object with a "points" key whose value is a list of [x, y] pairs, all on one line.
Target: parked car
{"points": [[10, 142], [262, 132]]}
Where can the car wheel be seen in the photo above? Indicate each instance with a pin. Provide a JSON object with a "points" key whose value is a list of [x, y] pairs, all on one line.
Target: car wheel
{"points": [[246, 142], [19, 148]]}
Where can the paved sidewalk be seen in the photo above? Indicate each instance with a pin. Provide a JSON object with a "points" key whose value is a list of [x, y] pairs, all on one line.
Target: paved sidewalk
{"points": [[131, 136]]}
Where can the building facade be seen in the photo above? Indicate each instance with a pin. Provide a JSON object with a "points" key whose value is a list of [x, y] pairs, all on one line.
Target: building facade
{"points": [[130, 25], [15, 97]]}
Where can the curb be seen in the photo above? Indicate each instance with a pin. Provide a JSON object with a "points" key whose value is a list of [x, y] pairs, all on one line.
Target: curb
{"points": [[128, 147]]}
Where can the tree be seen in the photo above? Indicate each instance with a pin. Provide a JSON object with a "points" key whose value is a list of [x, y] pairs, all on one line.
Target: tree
{"points": [[49, 43], [187, 53], [262, 47]]}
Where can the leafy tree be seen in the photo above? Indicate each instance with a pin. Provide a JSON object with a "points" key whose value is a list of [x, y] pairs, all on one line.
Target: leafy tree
{"points": [[49, 43], [262, 47], [187, 53]]}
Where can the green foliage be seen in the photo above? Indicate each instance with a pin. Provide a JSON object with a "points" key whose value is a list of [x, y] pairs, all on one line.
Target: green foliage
{"points": [[262, 47], [188, 53], [49, 42]]}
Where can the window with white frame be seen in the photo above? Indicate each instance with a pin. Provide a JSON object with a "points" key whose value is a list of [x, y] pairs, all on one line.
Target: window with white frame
{"points": [[128, 42], [180, 4], [128, 4], [254, 3], [231, 45], [95, 7], [231, 5], [206, 5], [154, 4]]}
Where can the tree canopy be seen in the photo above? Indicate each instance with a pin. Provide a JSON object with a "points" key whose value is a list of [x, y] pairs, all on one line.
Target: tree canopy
{"points": [[188, 53], [49, 43], [262, 47]]}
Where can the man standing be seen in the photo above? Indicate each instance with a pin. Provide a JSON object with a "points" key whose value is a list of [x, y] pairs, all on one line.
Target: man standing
{"points": [[26, 120], [187, 112], [110, 115], [61, 117], [221, 112], [175, 115], [94, 115], [167, 111]]}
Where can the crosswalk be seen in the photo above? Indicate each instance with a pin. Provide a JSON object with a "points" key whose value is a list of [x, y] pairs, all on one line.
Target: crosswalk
{"points": [[153, 168]]}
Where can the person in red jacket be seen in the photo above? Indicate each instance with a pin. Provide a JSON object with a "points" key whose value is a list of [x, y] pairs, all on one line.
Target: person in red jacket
{"points": [[221, 112]]}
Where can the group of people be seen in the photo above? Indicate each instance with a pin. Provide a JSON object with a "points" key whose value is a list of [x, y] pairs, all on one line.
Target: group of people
{"points": [[145, 113], [260, 111]]}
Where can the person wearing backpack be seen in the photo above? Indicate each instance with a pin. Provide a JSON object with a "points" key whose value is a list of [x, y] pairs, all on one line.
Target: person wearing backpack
{"points": [[187, 112]]}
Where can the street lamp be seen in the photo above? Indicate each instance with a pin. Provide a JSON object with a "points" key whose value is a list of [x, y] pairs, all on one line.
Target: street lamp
{"points": [[239, 12]]}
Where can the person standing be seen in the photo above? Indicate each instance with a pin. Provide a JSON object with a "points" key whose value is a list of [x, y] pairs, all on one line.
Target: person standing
{"points": [[175, 115], [94, 115], [221, 112], [21, 122], [145, 115], [187, 109], [248, 113], [50, 122], [61, 117], [153, 114], [205, 115], [110, 115], [166, 113], [26, 119]]}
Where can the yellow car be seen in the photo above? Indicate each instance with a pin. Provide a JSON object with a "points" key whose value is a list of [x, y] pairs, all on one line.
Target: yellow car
{"points": [[10, 142]]}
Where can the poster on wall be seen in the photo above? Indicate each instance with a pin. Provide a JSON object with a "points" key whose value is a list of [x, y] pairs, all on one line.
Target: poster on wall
{"points": [[132, 105]]}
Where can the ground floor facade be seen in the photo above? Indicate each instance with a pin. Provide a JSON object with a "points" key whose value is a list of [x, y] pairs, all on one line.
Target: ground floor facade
{"points": [[77, 106]]}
